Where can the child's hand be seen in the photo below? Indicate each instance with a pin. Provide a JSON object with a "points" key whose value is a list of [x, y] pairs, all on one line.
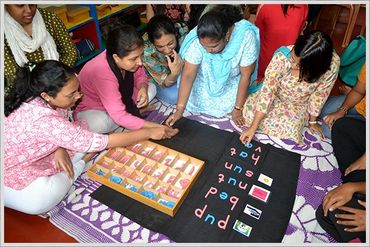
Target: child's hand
{"points": [[63, 162], [142, 97]]}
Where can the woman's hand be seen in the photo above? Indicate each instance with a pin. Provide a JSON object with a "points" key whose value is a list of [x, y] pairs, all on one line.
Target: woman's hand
{"points": [[172, 119], [162, 132], [316, 128], [337, 197], [331, 118], [142, 97], [175, 66], [247, 135], [237, 117], [63, 162], [353, 217]]}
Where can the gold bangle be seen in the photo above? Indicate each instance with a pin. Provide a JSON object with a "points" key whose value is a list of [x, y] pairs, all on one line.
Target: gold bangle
{"points": [[238, 108]]}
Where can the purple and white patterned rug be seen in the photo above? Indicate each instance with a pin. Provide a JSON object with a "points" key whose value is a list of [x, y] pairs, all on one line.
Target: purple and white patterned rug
{"points": [[90, 221]]}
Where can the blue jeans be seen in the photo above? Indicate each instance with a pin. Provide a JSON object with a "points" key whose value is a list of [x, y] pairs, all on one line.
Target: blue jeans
{"points": [[331, 105], [168, 94]]}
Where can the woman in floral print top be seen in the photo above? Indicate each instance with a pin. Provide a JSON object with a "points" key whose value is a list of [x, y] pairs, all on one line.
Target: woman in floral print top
{"points": [[297, 83], [39, 139], [160, 59]]}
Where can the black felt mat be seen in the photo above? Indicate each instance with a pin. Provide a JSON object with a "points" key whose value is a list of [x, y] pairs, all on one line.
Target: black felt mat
{"points": [[220, 194]]}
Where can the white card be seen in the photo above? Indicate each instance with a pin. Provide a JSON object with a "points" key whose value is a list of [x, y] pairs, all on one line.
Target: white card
{"points": [[265, 179], [252, 211]]}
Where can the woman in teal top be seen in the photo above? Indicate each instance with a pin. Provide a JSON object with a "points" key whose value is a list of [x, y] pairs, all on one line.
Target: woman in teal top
{"points": [[160, 59], [220, 65]]}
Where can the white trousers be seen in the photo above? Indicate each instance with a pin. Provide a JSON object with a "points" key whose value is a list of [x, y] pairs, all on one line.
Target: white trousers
{"points": [[100, 121], [45, 192]]}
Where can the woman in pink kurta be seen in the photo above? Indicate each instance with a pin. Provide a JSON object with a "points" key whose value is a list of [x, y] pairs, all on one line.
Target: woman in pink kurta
{"points": [[115, 84], [298, 81], [100, 88], [39, 139]]}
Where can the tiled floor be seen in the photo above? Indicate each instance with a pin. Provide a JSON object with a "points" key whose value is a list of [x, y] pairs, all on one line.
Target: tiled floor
{"points": [[22, 228]]}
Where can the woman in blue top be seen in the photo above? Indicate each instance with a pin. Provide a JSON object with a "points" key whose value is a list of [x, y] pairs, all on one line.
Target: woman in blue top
{"points": [[220, 65]]}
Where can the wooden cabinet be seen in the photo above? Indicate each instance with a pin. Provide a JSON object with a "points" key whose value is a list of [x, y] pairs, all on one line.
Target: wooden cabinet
{"points": [[89, 21]]}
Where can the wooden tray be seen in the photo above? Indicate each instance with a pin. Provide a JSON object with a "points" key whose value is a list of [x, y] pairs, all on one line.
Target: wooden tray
{"points": [[150, 173]]}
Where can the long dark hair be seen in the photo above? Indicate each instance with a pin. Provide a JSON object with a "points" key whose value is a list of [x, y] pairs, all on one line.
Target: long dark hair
{"points": [[315, 50], [195, 11], [48, 76], [160, 25], [233, 12], [121, 41], [214, 25]]}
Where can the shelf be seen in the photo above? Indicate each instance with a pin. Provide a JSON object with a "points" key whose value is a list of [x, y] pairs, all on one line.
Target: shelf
{"points": [[72, 26], [87, 58], [89, 28], [117, 10], [139, 28]]}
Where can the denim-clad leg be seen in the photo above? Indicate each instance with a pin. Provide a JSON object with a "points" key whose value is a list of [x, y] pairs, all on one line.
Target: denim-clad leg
{"points": [[168, 94]]}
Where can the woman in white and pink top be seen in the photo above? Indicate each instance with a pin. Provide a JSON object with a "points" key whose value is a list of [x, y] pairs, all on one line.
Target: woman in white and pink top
{"points": [[115, 85], [39, 139]]}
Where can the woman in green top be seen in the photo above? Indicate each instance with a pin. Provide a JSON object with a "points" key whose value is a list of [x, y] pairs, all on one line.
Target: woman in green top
{"points": [[32, 35], [161, 61]]}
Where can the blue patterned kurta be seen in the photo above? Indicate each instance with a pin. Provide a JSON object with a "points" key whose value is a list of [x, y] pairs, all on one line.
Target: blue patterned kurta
{"points": [[218, 98]]}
